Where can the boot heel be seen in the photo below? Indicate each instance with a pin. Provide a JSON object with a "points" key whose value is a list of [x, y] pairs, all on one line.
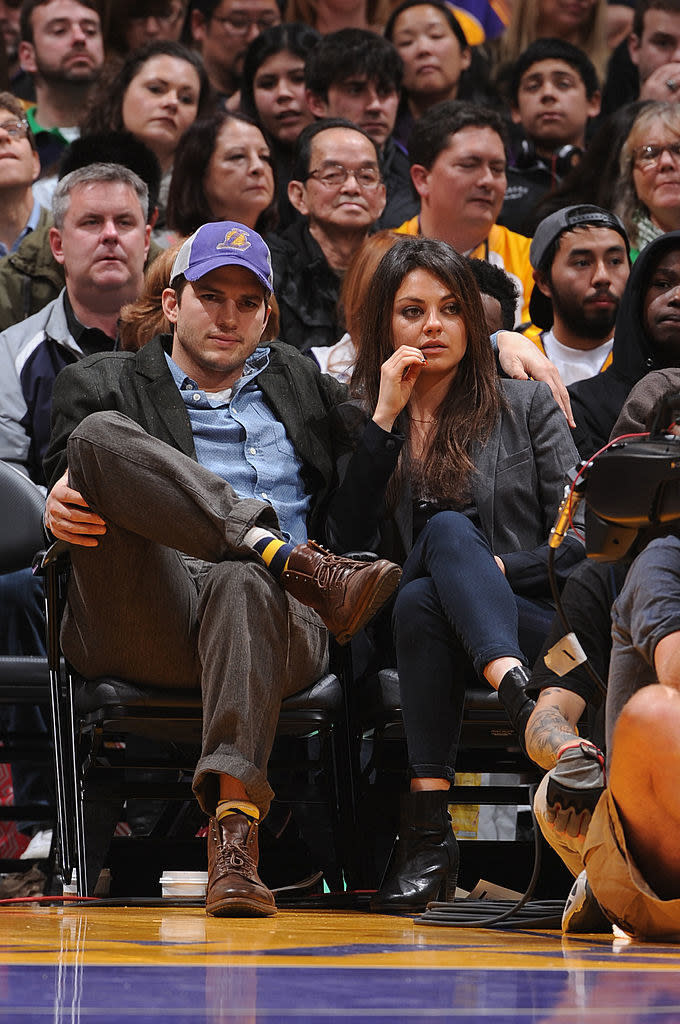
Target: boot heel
{"points": [[448, 891]]}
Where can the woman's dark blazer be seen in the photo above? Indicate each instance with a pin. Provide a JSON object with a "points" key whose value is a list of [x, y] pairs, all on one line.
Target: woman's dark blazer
{"points": [[516, 489]]}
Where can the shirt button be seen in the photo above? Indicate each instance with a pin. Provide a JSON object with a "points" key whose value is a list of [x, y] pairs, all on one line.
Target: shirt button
{"points": [[196, 398], [253, 451], [264, 495]]}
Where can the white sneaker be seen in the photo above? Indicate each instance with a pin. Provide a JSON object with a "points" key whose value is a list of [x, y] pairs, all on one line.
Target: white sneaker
{"points": [[582, 912], [39, 846]]}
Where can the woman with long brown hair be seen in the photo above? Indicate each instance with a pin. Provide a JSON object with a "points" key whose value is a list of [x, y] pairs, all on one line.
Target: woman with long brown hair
{"points": [[459, 476]]}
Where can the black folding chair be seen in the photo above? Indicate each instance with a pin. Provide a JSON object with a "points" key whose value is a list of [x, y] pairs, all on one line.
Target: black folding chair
{"points": [[93, 717], [23, 678]]}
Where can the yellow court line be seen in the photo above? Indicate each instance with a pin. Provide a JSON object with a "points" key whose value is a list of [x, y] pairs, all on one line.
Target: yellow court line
{"points": [[97, 936]]}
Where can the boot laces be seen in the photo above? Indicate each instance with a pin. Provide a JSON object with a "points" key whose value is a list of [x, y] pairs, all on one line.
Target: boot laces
{"points": [[332, 570], [234, 856]]}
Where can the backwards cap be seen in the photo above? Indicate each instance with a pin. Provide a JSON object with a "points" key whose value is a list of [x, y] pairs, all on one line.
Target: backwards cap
{"points": [[223, 243], [550, 228]]}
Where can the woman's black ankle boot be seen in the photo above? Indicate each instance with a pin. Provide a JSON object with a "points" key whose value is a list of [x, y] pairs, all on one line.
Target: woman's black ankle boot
{"points": [[424, 861]]}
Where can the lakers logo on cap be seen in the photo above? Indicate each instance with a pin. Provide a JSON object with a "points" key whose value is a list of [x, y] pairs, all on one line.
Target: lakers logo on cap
{"points": [[235, 239]]}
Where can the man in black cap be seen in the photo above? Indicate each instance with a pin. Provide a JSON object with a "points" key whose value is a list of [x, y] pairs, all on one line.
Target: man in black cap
{"points": [[581, 262]]}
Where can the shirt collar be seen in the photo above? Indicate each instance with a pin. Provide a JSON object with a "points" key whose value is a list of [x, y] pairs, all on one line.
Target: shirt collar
{"points": [[37, 129], [88, 338], [30, 225], [254, 364]]}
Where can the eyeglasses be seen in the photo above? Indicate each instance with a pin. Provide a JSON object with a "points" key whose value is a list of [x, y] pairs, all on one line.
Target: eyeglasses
{"points": [[15, 129], [337, 174], [646, 157], [239, 24]]}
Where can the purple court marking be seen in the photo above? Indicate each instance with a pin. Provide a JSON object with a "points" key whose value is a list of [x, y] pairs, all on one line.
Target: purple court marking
{"points": [[117, 993]]}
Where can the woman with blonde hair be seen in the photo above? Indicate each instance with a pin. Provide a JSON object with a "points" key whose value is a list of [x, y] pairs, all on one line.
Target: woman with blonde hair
{"points": [[648, 188], [583, 25]]}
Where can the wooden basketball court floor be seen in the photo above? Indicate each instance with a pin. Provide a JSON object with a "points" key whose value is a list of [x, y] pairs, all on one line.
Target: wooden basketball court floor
{"points": [[95, 964]]}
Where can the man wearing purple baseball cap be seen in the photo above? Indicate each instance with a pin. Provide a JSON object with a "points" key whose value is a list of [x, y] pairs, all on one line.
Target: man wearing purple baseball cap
{"points": [[188, 477]]}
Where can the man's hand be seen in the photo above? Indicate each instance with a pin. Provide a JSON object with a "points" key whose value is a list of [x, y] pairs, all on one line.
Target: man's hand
{"points": [[575, 785], [663, 85], [68, 516], [521, 359]]}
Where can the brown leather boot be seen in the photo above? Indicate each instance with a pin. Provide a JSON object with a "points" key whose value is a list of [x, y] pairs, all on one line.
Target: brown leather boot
{"points": [[234, 887], [346, 593]]}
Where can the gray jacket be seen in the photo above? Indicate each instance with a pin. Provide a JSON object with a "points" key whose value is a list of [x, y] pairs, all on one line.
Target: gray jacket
{"points": [[516, 489], [31, 355]]}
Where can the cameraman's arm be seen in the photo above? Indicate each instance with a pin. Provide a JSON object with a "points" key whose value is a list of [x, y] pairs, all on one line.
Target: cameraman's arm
{"points": [[552, 724]]}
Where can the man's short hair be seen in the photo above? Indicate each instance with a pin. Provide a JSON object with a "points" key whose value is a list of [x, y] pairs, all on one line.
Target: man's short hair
{"points": [[206, 7], [303, 147], [26, 16], [642, 6], [433, 131], [491, 280], [122, 148], [96, 173], [351, 53], [10, 103], [554, 49]]}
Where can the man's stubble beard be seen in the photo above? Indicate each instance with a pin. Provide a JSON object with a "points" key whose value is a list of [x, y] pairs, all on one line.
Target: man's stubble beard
{"points": [[61, 76]]}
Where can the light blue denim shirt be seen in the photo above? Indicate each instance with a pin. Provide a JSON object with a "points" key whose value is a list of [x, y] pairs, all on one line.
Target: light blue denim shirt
{"points": [[240, 439]]}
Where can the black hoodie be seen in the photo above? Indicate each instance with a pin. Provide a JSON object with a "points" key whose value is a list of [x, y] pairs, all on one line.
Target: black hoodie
{"points": [[597, 401]]}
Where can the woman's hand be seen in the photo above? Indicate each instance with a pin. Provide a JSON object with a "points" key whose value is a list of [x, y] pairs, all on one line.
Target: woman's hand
{"points": [[68, 517], [398, 375], [521, 359]]}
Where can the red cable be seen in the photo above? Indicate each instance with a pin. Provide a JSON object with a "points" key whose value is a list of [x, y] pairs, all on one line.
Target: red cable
{"points": [[615, 440], [66, 898]]}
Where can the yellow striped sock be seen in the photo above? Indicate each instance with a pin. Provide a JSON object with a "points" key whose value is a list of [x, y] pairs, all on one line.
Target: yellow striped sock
{"points": [[225, 807]]}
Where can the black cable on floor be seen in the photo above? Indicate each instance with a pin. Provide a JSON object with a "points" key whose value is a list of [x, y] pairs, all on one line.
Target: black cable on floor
{"points": [[493, 913]]}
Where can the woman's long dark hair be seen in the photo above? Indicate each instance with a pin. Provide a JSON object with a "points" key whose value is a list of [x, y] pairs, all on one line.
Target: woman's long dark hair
{"points": [[473, 402], [105, 109], [187, 203]]}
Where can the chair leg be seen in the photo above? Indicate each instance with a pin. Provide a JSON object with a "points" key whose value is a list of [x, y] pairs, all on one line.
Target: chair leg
{"points": [[100, 811], [61, 734]]}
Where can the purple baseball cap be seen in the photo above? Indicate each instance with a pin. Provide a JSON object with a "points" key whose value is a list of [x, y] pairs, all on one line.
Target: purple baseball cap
{"points": [[224, 243]]}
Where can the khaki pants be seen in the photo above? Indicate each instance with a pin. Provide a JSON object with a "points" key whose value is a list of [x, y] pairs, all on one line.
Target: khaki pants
{"points": [[614, 878]]}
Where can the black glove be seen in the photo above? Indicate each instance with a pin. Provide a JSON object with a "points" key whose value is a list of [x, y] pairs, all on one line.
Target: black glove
{"points": [[575, 785]]}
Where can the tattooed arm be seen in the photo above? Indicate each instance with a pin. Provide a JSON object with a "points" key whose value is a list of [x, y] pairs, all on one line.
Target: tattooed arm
{"points": [[552, 724]]}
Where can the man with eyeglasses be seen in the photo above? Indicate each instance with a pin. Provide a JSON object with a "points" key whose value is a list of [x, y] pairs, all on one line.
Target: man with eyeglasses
{"points": [[157, 19], [20, 213], [458, 163], [338, 189], [62, 49], [223, 29], [356, 74]]}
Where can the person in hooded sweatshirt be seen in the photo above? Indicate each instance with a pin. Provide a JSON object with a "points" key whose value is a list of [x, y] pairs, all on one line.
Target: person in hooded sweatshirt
{"points": [[647, 337]]}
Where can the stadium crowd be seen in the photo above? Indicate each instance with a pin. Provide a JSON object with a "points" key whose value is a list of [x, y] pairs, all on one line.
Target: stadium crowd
{"points": [[279, 282]]}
